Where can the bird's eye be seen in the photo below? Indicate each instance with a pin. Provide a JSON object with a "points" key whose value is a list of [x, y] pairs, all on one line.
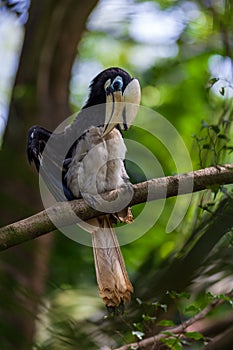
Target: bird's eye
{"points": [[117, 83]]}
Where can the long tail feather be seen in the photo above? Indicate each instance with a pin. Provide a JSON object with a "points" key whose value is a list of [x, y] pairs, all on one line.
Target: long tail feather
{"points": [[114, 285]]}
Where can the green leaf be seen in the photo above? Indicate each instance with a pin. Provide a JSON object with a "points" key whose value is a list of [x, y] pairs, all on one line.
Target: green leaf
{"points": [[192, 308], [195, 335], [172, 343], [214, 189], [230, 148], [177, 346], [225, 298], [211, 296], [206, 146], [157, 305], [215, 128], [166, 323], [148, 318], [224, 137], [169, 334], [174, 295]]}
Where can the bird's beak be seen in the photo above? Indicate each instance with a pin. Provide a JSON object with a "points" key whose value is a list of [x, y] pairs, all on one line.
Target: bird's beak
{"points": [[122, 108]]}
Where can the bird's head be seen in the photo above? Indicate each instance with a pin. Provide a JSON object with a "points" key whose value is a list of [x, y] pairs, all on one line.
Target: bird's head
{"points": [[121, 93]]}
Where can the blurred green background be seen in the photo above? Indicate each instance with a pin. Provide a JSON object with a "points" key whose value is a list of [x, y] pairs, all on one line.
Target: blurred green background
{"points": [[181, 52]]}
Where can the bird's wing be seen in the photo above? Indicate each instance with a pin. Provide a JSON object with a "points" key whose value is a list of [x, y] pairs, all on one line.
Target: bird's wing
{"points": [[52, 153], [37, 139], [46, 150]]}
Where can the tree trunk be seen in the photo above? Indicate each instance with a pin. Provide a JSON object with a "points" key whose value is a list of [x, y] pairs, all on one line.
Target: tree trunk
{"points": [[40, 96]]}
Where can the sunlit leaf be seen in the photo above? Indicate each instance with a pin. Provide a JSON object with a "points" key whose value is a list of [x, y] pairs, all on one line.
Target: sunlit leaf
{"points": [[195, 335], [173, 343], [166, 323], [138, 334], [193, 309], [148, 318], [157, 305]]}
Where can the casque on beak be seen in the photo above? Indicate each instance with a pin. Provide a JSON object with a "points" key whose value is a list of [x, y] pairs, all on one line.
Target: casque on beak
{"points": [[121, 108]]}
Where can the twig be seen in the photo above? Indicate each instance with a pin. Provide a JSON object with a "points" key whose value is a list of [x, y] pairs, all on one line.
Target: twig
{"points": [[180, 329], [67, 213]]}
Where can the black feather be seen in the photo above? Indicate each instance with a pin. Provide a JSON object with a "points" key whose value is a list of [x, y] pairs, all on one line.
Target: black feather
{"points": [[37, 139], [97, 93], [50, 164]]}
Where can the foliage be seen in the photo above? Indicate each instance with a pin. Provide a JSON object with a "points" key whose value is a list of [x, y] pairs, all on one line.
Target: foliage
{"points": [[182, 88], [191, 86]]}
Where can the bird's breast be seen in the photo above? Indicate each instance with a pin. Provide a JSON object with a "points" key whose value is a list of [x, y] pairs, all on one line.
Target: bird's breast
{"points": [[98, 163]]}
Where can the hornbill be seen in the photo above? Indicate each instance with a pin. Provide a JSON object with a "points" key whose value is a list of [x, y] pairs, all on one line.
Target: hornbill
{"points": [[93, 163]]}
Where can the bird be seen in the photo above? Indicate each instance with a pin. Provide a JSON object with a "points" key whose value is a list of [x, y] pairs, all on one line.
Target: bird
{"points": [[88, 158]]}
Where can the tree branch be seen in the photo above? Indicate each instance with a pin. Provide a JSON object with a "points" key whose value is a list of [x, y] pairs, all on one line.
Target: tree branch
{"points": [[154, 189], [180, 329]]}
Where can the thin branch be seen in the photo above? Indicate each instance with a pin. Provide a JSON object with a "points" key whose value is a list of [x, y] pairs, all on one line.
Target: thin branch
{"points": [[180, 329], [67, 213]]}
